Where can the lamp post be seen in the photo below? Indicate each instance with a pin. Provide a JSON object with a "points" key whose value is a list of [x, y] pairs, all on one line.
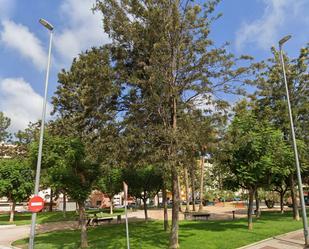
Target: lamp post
{"points": [[300, 185], [38, 166]]}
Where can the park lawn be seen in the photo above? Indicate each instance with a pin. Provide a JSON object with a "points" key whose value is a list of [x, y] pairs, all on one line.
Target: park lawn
{"points": [[55, 216], [192, 234]]}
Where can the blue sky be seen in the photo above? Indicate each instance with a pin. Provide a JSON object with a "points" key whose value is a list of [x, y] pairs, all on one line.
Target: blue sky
{"points": [[251, 27]]}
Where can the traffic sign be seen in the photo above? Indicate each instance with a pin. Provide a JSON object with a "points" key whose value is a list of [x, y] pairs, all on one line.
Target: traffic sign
{"points": [[36, 204]]}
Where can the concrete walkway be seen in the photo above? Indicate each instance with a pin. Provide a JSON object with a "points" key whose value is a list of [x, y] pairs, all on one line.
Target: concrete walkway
{"points": [[292, 240], [8, 234]]}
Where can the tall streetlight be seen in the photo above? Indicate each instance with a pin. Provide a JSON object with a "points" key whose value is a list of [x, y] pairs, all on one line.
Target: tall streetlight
{"points": [[38, 166], [300, 184]]}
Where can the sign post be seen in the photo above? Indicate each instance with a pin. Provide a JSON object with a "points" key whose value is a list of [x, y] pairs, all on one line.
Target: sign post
{"points": [[36, 204]]}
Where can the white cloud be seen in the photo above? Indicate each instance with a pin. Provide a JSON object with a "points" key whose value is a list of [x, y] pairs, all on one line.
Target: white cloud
{"points": [[82, 29], [265, 31], [18, 37], [204, 103], [20, 103], [6, 7]]}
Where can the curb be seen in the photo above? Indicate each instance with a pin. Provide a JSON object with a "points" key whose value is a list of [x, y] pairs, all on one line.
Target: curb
{"points": [[281, 235], [8, 247], [256, 243]]}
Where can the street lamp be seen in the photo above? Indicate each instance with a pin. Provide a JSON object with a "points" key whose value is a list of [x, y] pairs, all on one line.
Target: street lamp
{"points": [[38, 166], [300, 185]]}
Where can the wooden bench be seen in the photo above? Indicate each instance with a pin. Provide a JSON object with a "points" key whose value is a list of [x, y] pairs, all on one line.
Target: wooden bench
{"points": [[97, 220], [196, 216], [200, 216]]}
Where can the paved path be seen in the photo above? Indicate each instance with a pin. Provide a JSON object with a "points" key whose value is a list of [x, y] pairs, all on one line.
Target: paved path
{"points": [[8, 234], [292, 240]]}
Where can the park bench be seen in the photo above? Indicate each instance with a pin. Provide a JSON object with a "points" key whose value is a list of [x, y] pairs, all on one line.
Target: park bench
{"points": [[200, 216], [97, 220], [196, 216], [94, 219]]}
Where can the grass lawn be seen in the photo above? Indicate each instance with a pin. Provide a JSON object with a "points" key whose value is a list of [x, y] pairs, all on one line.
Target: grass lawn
{"points": [[43, 217], [192, 235]]}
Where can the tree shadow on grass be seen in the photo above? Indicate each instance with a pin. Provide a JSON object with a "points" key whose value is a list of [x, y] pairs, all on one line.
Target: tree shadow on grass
{"points": [[142, 236], [42, 217], [55, 240], [213, 225], [18, 217], [56, 216]]}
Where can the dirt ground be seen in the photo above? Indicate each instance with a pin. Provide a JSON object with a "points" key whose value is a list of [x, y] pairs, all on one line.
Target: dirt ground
{"points": [[216, 213]]}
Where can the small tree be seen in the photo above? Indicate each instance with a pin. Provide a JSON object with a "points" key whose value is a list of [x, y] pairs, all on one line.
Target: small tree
{"points": [[250, 153], [110, 183], [4, 124], [16, 182], [143, 183], [65, 162]]}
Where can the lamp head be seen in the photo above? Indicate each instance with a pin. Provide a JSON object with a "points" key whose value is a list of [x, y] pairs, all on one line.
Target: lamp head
{"points": [[284, 39], [46, 24]]}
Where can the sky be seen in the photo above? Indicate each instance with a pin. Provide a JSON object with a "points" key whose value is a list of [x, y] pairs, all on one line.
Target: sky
{"points": [[250, 26]]}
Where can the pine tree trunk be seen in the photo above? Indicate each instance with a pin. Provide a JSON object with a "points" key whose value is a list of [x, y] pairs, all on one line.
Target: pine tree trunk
{"points": [[202, 183], [175, 210], [51, 200], [179, 191], [111, 206], [257, 204], [187, 190], [12, 211], [145, 208], [64, 205], [174, 173], [164, 200], [193, 189], [294, 201], [281, 202], [83, 225], [250, 208]]}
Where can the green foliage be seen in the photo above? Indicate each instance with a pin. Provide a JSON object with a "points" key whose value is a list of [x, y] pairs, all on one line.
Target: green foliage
{"points": [[28, 135], [65, 166], [4, 125], [144, 182], [163, 57], [272, 94], [86, 102], [110, 181], [16, 179], [253, 150], [272, 105]]}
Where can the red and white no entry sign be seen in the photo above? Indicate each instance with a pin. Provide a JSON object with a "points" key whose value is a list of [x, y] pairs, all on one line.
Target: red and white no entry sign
{"points": [[36, 204]]}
